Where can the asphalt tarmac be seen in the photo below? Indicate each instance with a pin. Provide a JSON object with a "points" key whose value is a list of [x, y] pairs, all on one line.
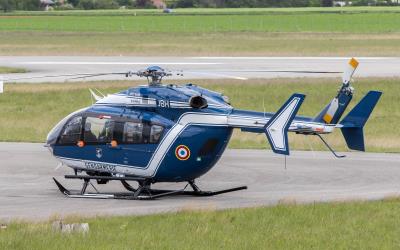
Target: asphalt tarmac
{"points": [[198, 67], [27, 190]]}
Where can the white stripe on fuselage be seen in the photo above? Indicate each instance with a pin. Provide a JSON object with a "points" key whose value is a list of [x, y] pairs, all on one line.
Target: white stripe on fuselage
{"points": [[187, 119], [139, 101], [150, 170]]}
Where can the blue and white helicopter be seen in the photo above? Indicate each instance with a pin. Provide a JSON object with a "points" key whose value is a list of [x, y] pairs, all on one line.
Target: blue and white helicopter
{"points": [[169, 133]]}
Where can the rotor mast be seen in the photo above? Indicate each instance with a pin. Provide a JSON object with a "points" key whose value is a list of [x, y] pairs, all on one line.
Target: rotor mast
{"points": [[154, 75]]}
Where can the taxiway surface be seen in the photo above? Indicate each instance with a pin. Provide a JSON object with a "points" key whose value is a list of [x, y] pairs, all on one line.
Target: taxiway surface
{"points": [[198, 67], [27, 190]]}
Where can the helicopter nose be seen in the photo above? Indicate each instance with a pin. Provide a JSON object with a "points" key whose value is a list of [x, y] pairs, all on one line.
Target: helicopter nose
{"points": [[53, 135], [50, 143]]}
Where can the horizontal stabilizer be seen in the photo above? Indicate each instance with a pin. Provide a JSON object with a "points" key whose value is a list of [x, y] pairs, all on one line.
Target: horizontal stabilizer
{"points": [[355, 120], [277, 127]]}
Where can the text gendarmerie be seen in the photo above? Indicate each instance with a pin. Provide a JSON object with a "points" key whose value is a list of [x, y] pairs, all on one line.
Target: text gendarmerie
{"points": [[100, 166]]}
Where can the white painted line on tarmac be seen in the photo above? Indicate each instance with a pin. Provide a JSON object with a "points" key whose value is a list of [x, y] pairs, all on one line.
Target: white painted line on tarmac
{"points": [[119, 63], [292, 58]]}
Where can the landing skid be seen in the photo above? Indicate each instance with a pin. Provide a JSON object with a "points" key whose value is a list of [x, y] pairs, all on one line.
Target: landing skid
{"points": [[143, 192]]}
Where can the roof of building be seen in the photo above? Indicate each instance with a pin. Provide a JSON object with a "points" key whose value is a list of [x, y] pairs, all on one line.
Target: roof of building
{"points": [[49, 2]]}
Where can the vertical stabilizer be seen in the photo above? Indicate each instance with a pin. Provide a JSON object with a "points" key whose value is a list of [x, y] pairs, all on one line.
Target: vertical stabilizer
{"points": [[355, 120]]}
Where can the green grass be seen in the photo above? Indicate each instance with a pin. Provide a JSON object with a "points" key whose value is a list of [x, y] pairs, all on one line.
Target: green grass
{"points": [[353, 225], [215, 44], [202, 32], [196, 44], [29, 111], [304, 22], [8, 70]]}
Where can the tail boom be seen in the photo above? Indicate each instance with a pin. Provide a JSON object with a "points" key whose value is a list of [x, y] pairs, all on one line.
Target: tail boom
{"points": [[275, 126]]}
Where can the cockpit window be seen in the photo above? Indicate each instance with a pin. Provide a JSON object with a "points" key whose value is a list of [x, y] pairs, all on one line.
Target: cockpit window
{"points": [[98, 130], [101, 130], [72, 131], [155, 133], [133, 132]]}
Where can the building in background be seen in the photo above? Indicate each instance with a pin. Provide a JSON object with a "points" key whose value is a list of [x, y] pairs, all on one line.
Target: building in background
{"points": [[160, 4], [46, 4]]}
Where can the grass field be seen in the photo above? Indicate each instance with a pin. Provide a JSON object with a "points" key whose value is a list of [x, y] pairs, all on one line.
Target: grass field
{"points": [[304, 22], [191, 32], [195, 44], [354, 225], [29, 111], [8, 70]]}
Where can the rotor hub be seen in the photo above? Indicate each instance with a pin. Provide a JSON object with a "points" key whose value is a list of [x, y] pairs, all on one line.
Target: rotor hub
{"points": [[154, 74]]}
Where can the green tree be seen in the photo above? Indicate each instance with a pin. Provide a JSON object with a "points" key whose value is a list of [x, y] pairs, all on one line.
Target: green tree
{"points": [[7, 5], [327, 3], [86, 4], [126, 2], [147, 4], [74, 2], [315, 3], [27, 4], [98, 4]]}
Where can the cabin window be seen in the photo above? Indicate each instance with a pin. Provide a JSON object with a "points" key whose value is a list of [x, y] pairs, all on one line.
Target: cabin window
{"points": [[155, 133], [72, 131], [98, 130], [133, 132]]}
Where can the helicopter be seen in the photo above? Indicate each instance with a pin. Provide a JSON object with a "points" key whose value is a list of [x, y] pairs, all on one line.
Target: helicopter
{"points": [[177, 133]]}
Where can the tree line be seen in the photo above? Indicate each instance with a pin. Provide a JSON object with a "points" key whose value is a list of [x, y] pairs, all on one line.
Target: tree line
{"points": [[270, 3], [9, 5]]}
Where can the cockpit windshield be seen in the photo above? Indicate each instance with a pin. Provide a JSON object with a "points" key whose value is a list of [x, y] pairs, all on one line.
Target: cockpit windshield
{"points": [[72, 131], [103, 129]]}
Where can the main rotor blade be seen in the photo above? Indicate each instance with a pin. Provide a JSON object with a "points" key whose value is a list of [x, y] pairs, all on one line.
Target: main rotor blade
{"points": [[216, 74], [94, 75], [284, 71], [64, 75]]}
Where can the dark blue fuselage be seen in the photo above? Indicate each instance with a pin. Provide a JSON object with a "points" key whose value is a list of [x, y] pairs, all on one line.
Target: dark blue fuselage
{"points": [[184, 149]]}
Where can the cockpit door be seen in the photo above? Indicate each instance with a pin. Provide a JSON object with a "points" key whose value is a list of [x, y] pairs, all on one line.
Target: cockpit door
{"points": [[97, 135], [137, 141]]}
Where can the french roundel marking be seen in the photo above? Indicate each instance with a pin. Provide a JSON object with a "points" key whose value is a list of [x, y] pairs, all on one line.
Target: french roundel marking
{"points": [[182, 152]]}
